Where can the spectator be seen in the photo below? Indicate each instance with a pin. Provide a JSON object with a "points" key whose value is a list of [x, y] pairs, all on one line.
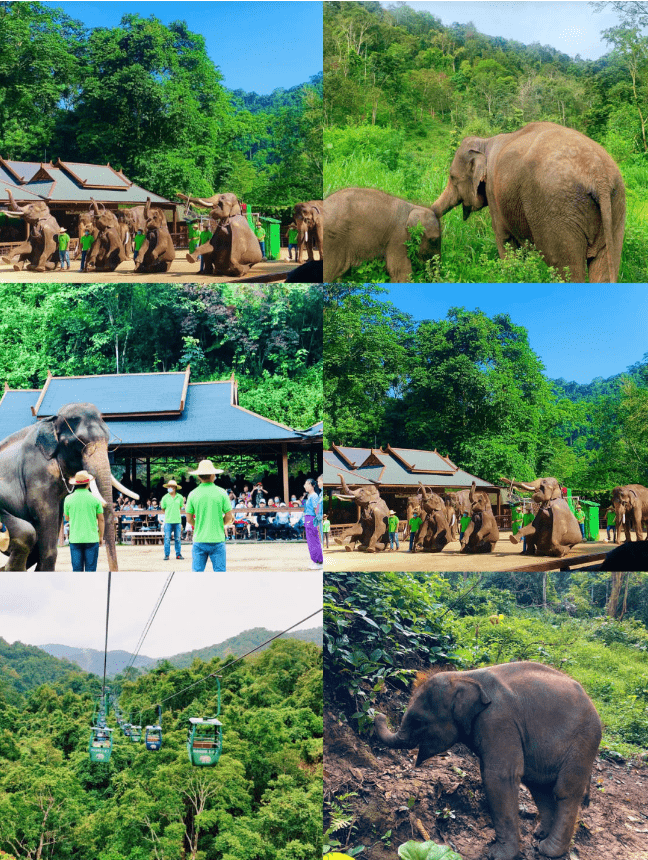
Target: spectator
{"points": [[580, 519], [209, 507], [84, 512], [258, 494], [172, 504]]}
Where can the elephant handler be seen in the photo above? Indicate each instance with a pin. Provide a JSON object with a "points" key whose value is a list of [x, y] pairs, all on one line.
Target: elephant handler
{"points": [[85, 515], [209, 510], [172, 506]]}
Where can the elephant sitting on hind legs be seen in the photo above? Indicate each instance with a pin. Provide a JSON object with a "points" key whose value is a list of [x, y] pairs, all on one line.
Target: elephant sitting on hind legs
{"points": [[554, 530], [371, 531]]}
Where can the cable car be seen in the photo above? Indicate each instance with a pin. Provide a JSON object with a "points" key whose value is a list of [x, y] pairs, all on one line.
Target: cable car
{"points": [[100, 745], [205, 741], [126, 729], [135, 734], [153, 738]]}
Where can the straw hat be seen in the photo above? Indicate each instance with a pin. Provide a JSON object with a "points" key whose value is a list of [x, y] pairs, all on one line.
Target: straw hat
{"points": [[171, 483], [391, 513], [205, 468], [81, 478]]}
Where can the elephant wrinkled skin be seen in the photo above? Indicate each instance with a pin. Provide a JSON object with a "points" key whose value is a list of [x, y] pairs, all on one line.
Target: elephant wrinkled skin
{"points": [[630, 504], [158, 252], [233, 249], [482, 533], [434, 531], [371, 530], [36, 465], [548, 185], [308, 218], [364, 223], [554, 530], [107, 250], [527, 723], [40, 250]]}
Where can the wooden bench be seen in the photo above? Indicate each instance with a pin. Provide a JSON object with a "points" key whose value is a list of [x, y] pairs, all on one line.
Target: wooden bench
{"points": [[142, 538]]}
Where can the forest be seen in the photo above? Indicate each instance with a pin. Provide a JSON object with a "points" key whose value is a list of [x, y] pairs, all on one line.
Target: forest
{"points": [[382, 629], [270, 337], [262, 801], [148, 99], [472, 387], [402, 90]]}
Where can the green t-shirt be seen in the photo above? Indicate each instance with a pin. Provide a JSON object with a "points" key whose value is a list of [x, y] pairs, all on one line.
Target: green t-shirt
{"points": [[82, 508], [171, 506], [415, 524], [259, 232], [326, 525], [208, 503], [580, 516], [611, 518], [393, 523], [87, 242], [292, 237], [63, 241], [205, 236], [138, 240]]}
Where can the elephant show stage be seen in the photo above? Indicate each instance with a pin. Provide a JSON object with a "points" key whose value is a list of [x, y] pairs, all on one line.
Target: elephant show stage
{"points": [[504, 557]]}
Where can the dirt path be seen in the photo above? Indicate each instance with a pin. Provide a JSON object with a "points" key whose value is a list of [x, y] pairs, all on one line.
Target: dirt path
{"points": [[444, 801], [241, 555], [505, 556], [181, 271]]}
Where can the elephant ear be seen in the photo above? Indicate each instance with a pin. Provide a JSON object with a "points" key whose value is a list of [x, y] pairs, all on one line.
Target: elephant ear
{"points": [[478, 170], [469, 700], [46, 438]]}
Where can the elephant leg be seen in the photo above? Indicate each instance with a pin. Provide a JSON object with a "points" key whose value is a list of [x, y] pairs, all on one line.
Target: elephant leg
{"points": [[544, 799], [501, 785], [466, 538], [398, 263], [351, 536], [527, 531], [562, 829], [207, 248], [49, 246], [562, 248], [23, 539]]}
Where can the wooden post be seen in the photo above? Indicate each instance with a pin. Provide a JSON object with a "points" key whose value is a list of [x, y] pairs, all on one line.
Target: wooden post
{"points": [[148, 476], [284, 469]]}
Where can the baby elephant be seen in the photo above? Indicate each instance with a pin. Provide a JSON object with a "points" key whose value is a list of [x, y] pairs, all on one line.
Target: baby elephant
{"points": [[364, 224], [527, 723]]}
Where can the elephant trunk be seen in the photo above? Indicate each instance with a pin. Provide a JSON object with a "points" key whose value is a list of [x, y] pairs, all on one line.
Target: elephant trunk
{"points": [[448, 199], [345, 489], [393, 740], [95, 461], [12, 203], [147, 208], [425, 495]]}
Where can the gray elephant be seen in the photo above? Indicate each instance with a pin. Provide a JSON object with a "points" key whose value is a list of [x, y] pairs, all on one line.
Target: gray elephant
{"points": [[233, 249], [548, 185], [434, 531], [40, 250], [371, 530], [36, 465], [458, 505], [108, 249], [308, 218], [364, 224], [554, 530], [527, 723], [630, 504], [158, 251], [482, 533]]}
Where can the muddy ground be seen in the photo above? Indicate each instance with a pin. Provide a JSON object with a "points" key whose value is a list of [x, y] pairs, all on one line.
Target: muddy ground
{"points": [[443, 800], [505, 556], [241, 555], [181, 271]]}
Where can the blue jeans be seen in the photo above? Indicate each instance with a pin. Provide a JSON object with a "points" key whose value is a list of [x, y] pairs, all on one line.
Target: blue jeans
{"points": [[84, 556], [200, 552], [64, 257], [169, 530], [292, 247], [582, 528], [393, 536], [84, 254], [262, 244], [613, 532]]}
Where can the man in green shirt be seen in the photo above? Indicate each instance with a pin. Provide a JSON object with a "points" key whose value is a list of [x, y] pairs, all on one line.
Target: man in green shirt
{"points": [[393, 530], [580, 518], [293, 235], [209, 510], [260, 233], [138, 240], [172, 506], [86, 241], [610, 523], [85, 515], [63, 246], [415, 524], [205, 236]]}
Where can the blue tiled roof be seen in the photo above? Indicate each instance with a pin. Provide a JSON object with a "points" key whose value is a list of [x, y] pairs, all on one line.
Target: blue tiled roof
{"points": [[124, 394], [15, 411]]}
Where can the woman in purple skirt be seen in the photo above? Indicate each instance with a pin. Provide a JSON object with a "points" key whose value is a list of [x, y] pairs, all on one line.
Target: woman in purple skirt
{"points": [[312, 509]]}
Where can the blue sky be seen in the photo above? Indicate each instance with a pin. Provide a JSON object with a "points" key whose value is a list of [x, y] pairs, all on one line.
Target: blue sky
{"points": [[571, 27], [580, 331], [257, 44]]}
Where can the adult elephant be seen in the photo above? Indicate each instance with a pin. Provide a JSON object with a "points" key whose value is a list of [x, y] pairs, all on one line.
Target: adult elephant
{"points": [[233, 249], [554, 530], [36, 465], [40, 250], [158, 251], [527, 723], [308, 218], [108, 249], [548, 185], [364, 224], [630, 504], [434, 531], [482, 533], [371, 529]]}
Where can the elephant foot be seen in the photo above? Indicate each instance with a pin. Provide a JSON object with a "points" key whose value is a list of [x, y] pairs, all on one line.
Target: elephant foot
{"points": [[514, 539], [39, 268], [348, 548], [551, 848], [541, 832], [498, 851], [190, 258], [17, 267], [7, 260]]}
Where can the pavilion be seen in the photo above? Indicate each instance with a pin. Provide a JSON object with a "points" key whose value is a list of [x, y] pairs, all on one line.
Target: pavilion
{"points": [[164, 415]]}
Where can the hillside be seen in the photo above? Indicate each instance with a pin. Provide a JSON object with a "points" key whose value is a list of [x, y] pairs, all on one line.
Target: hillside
{"points": [[91, 660], [25, 667]]}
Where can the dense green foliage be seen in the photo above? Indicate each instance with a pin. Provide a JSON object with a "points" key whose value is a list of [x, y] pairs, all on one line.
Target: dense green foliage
{"points": [[263, 800], [381, 629], [472, 387], [148, 99], [402, 90]]}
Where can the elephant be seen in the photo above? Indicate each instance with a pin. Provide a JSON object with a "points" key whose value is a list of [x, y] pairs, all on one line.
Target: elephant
{"points": [[554, 530], [631, 555], [482, 534], [36, 465], [459, 504], [631, 507], [108, 249], [40, 250], [527, 723], [364, 224], [131, 220], [434, 531], [371, 530], [308, 218], [548, 185], [158, 251], [233, 249]]}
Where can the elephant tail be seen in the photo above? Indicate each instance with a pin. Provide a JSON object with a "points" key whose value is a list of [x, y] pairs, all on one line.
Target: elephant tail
{"points": [[613, 254]]}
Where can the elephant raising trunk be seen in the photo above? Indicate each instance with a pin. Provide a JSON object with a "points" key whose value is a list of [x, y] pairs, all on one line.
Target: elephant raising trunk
{"points": [[371, 529]]}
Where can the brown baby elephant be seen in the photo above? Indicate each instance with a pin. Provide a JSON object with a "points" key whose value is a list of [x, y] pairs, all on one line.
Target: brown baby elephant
{"points": [[364, 224], [527, 723]]}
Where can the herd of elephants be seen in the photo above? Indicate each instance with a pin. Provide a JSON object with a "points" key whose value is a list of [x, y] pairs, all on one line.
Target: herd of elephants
{"points": [[553, 532], [545, 184]]}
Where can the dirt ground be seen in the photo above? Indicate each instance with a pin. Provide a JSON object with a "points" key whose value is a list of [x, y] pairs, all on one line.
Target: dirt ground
{"points": [[281, 556], [181, 271], [505, 556], [443, 801]]}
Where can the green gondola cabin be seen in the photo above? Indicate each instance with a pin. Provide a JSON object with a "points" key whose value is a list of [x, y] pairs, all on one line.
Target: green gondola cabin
{"points": [[100, 743], [205, 741], [135, 734]]}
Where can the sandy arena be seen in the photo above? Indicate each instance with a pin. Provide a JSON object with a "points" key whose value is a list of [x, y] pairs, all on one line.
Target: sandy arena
{"points": [[505, 556], [181, 271]]}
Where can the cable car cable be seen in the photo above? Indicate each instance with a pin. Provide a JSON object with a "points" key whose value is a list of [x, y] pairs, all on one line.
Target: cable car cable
{"points": [[103, 687], [148, 624]]}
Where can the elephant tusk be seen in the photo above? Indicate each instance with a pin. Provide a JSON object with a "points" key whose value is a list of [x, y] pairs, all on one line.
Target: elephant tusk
{"points": [[339, 496], [122, 488], [95, 492]]}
